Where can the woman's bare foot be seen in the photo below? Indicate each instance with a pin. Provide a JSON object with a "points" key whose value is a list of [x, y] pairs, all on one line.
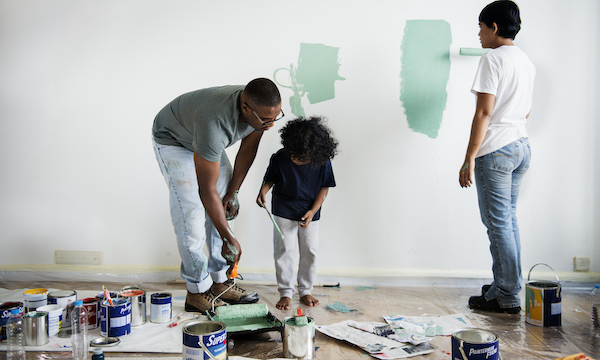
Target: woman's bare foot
{"points": [[284, 303], [309, 300]]}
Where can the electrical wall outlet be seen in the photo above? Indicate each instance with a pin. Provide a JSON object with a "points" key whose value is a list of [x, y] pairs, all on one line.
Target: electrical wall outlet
{"points": [[78, 257], [581, 263]]}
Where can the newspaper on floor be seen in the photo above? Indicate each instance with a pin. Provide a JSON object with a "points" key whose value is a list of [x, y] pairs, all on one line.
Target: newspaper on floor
{"points": [[386, 330], [377, 346], [427, 326]]}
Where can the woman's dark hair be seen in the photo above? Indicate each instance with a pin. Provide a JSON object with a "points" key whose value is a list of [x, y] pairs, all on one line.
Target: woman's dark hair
{"points": [[505, 14], [309, 139]]}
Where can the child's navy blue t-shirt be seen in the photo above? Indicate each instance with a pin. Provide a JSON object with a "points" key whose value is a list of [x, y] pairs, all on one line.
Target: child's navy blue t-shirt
{"points": [[296, 186]]}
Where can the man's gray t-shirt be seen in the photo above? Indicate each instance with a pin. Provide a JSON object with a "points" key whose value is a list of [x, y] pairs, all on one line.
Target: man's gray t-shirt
{"points": [[206, 121]]}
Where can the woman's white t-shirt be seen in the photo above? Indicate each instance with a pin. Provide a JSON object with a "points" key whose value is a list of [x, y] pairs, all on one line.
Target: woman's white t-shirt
{"points": [[507, 73]]}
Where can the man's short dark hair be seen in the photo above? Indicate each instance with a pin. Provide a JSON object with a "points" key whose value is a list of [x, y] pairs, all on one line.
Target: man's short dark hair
{"points": [[505, 14], [263, 92]]}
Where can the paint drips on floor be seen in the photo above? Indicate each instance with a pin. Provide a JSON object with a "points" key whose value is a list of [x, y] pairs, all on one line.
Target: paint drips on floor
{"points": [[424, 75]]}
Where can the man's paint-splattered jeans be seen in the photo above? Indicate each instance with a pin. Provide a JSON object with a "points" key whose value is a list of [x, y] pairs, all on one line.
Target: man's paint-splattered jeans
{"points": [[192, 225]]}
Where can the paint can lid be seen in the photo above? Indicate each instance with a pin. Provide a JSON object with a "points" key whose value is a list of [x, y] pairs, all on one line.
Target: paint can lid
{"points": [[105, 341]]}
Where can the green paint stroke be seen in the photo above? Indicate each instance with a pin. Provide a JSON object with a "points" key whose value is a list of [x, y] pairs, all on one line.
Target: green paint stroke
{"points": [[425, 72], [317, 71]]}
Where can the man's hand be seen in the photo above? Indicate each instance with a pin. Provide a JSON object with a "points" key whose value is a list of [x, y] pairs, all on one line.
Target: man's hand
{"points": [[465, 177], [231, 251], [231, 205]]}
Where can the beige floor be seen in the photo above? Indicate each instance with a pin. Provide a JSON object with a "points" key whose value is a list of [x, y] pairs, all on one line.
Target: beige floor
{"points": [[518, 340]]}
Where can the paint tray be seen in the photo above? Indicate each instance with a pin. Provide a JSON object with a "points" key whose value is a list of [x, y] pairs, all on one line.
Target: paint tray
{"points": [[246, 318]]}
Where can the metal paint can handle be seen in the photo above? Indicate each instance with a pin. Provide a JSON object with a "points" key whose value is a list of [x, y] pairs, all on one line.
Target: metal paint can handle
{"points": [[462, 351], [529, 275]]}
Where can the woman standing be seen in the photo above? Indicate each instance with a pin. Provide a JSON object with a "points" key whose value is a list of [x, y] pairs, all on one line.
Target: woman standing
{"points": [[498, 153]]}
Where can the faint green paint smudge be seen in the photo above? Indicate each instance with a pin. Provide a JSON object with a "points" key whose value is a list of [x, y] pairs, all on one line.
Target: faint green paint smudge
{"points": [[425, 72]]}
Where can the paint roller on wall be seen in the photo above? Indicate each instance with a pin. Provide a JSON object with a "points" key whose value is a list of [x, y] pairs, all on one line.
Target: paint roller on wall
{"points": [[473, 51]]}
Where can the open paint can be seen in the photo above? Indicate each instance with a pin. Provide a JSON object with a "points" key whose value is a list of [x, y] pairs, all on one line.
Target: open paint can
{"points": [[204, 340], [543, 301], [475, 344], [54, 317], [298, 340], [115, 319], [34, 298], [36, 328], [138, 305]]}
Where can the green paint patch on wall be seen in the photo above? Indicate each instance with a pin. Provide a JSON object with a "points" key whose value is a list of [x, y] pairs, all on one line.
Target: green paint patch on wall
{"points": [[424, 75], [314, 76]]}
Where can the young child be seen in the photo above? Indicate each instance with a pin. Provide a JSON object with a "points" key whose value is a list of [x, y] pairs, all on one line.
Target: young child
{"points": [[301, 175]]}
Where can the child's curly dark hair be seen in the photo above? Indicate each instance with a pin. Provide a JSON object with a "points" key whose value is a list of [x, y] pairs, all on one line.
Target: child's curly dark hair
{"points": [[309, 140]]}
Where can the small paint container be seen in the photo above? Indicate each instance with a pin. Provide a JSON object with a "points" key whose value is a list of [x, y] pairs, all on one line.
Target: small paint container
{"points": [[161, 307], [66, 299], [543, 301], [92, 307], [34, 298], [475, 344], [115, 320], [204, 340], [138, 305], [5, 309], [54, 317], [36, 328], [298, 341]]}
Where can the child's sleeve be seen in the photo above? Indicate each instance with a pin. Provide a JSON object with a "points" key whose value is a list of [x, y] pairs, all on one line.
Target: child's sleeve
{"points": [[328, 178], [272, 173]]}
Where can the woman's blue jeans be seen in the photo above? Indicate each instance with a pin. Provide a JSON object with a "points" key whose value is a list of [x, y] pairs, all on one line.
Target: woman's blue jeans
{"points": [[498, 177]]}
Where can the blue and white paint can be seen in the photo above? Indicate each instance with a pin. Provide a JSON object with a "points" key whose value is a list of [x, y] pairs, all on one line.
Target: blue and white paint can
{"points": [[5, 309], [204, 340], [475, 344], [115, 320], [161, 307]]}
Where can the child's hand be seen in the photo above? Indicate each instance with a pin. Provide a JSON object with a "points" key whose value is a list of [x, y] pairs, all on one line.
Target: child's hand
{"points": [[307, 218], [260, 200]]}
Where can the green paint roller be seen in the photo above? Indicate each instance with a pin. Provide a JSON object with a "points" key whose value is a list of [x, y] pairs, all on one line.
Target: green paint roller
{"points": [[473, 51]]}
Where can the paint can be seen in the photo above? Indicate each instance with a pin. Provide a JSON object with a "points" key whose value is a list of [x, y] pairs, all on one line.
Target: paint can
{"points": [[36, 328], [92, 306], [115, 320], [66, 299], [5, 309], [34, 298], [475, 344], [543, 301], [130, 287], [161, 307], [54, 317], [138, 305], [204, 339], [298, 341]]}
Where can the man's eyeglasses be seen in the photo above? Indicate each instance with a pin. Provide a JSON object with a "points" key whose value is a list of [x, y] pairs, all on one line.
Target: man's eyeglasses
{"points": [[263, 121]]}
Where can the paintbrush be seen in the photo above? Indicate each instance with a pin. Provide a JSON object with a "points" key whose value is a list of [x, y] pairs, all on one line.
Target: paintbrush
{"points": [[107, 296], [274, 223]]}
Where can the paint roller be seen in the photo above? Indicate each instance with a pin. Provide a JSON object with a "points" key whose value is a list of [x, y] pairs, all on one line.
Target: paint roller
{"points": [[473, 51]]}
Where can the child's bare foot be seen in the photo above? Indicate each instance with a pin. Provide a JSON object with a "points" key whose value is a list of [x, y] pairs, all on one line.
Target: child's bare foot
{"points": [[283, 303], [309, 300]]}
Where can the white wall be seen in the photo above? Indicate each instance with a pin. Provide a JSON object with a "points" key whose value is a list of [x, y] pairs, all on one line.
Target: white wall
{"points": [[82, 81]]}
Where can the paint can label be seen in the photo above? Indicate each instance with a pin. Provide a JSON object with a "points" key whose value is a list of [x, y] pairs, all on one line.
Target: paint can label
{"points": [[475, 344], [161, 307], [5, 309], [543, 303], [115, 320], [200, 337], [92, 306]]}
